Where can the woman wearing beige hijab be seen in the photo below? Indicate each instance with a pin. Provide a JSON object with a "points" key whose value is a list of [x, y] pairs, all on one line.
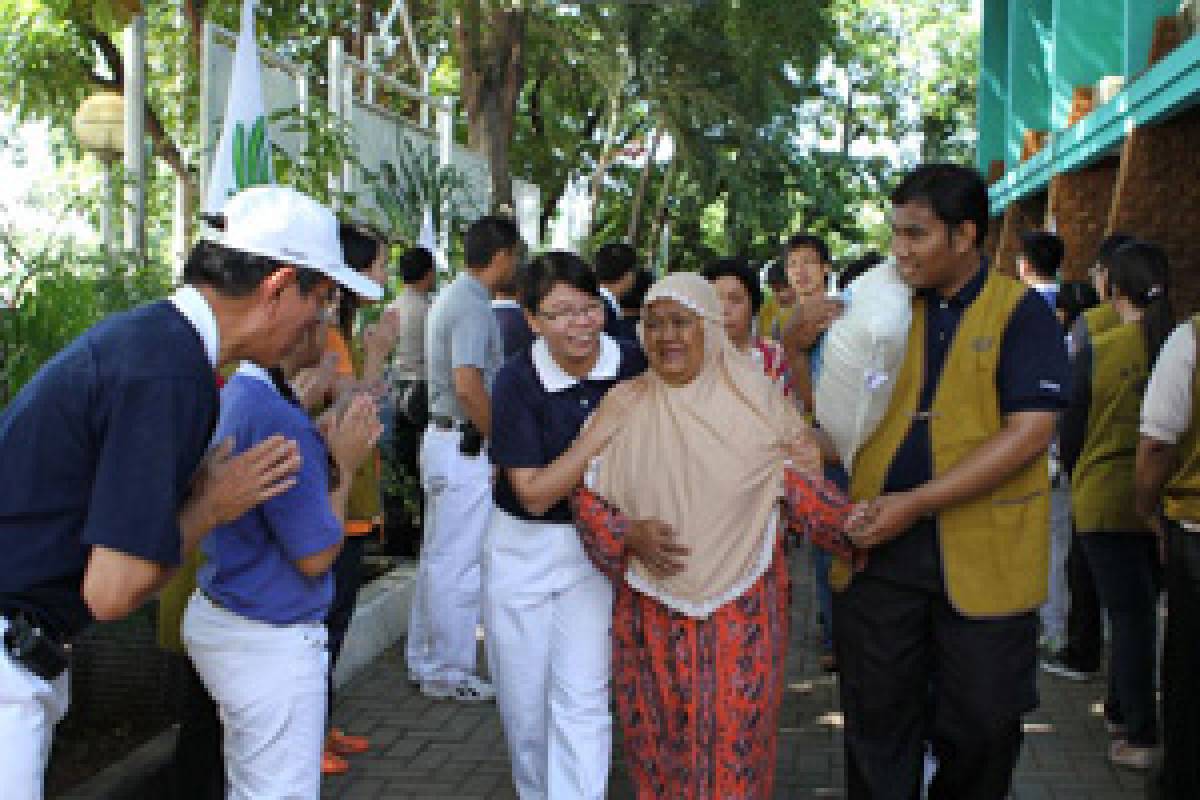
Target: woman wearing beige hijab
{"points": [[685, 513]]}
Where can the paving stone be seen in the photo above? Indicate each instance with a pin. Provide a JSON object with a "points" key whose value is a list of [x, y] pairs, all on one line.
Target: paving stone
{"points": [[424, 748]]}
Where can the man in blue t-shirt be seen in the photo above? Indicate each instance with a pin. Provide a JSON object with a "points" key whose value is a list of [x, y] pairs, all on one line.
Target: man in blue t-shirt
{"points": [[101, 487]]}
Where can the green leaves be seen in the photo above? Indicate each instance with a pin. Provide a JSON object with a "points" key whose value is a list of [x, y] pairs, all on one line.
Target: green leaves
{"points": [[251, 157], [417, 181]]}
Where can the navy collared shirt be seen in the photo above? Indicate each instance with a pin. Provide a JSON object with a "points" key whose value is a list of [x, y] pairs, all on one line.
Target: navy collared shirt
{"points": [[99, 449], [1032, 375], [514, 328], [537, 414]]}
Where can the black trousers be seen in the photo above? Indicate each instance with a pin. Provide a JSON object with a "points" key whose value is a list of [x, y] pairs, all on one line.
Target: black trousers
{"points": [[913, 670], [403, 498], [1127, 580], [197, 769], [347, 579], [1085, 627], [1180, 778]]}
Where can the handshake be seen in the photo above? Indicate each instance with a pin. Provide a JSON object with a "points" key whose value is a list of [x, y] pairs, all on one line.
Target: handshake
{"points": [[872, 523]]}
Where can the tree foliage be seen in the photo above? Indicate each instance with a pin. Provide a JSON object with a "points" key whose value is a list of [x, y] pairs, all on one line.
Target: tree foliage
{"points": [[777, 115]]}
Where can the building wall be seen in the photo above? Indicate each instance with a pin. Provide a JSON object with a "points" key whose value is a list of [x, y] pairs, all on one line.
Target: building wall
{"points": [[1157, 197]]}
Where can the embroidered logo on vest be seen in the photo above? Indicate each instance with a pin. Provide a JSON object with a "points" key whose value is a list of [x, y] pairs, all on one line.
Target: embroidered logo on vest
{"points": [[981, 344]]}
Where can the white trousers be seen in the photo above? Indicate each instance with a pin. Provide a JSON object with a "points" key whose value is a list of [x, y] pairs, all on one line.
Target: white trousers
{"points": [[1053, 612], [30, 707], [547, 614], [445, 603], [269, 684]]}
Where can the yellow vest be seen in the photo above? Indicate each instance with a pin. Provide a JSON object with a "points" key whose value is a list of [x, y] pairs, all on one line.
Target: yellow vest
{"points": [[1181, 499], [996, 547], [173, 600], [1102, 481], [1100, 318]]}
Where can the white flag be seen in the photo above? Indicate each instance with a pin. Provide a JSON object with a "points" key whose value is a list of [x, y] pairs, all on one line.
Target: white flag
{"points": [[428, 238], [243, 156]]}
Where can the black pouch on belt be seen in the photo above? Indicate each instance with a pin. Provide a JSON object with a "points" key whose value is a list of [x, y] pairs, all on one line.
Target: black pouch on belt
{"points": [[34, 648]]}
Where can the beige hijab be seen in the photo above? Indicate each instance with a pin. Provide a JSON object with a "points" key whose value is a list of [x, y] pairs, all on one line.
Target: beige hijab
{"points": [[707, 459]]}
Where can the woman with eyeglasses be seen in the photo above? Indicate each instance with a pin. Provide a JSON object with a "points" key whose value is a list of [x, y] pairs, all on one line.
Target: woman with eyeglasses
{"points": [[547, 611]]}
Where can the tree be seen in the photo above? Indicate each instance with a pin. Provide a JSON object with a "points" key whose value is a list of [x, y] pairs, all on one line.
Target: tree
{"points": [[491, 52]]}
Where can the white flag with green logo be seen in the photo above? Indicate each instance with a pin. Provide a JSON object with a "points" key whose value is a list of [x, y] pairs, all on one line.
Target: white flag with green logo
{"points": [[243, 156]]}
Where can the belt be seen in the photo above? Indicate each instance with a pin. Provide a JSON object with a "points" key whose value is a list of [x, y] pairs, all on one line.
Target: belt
{"points": [[446, 423]]}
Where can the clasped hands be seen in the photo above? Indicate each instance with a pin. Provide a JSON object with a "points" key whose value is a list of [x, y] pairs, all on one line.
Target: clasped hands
{"points": [[880, 520]]}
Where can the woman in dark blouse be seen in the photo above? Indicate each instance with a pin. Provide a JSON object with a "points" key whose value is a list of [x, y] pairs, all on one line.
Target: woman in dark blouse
{"points": [[547, 610]]}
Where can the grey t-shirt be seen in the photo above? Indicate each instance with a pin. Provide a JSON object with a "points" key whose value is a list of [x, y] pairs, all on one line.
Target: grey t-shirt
{"points": [[461, 331]]}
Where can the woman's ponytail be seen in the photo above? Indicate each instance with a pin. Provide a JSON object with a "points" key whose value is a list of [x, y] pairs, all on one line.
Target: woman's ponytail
{"points": [[1140, 272]]}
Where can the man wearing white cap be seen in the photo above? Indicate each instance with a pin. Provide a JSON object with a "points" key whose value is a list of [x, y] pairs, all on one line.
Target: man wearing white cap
{"points": [[102, 485]]}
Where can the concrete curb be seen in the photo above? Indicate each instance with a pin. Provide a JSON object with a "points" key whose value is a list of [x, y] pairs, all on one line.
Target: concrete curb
{"points": [[380, 619]]}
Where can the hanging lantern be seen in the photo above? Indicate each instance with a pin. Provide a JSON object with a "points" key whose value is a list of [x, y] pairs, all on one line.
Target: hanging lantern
{"points": [[100, 124]]}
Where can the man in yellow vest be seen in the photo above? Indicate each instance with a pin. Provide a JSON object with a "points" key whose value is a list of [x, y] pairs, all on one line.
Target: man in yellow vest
{"points": [[936, 636], [1167, 487]]}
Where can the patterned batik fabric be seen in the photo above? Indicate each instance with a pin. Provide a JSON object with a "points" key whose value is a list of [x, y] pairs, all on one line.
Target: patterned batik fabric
{"points": [[698, 699]]}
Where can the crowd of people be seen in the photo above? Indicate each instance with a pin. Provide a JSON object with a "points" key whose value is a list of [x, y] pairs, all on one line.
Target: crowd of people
{"points": [[612, 469]]}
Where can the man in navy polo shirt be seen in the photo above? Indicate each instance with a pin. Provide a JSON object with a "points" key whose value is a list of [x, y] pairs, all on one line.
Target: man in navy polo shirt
{"points": [[100, 492], [936, 636]]}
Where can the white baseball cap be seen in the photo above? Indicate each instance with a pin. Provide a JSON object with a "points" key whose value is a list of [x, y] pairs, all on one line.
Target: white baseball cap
{"points": [[282, 223]]}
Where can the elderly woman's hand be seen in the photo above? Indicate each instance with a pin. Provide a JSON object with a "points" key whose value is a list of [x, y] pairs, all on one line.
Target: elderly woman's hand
{"points": [[804, 452], [654, 544]]}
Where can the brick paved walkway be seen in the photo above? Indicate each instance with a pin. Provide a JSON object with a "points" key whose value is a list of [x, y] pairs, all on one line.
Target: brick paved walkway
{"points": [[423, 748]]}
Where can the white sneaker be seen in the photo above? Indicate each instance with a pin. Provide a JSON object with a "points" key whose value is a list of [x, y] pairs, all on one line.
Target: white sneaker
{"points": [[474, 690]]}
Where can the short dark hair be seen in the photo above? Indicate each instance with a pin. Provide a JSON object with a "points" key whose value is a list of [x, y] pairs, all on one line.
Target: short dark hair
{"points": [[954, 193], [858, 267], [614, 261], [415, 263], [1111, 244], [807, 241], [1074, 298], [360, 247], [777, 275], [635, 298], [1044, 253], [736, 268], [488, 236], [235, 273], [550, 269]]}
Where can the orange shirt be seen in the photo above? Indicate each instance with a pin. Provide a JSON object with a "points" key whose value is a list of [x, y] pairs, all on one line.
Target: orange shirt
{"points": [[345, 367]]}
